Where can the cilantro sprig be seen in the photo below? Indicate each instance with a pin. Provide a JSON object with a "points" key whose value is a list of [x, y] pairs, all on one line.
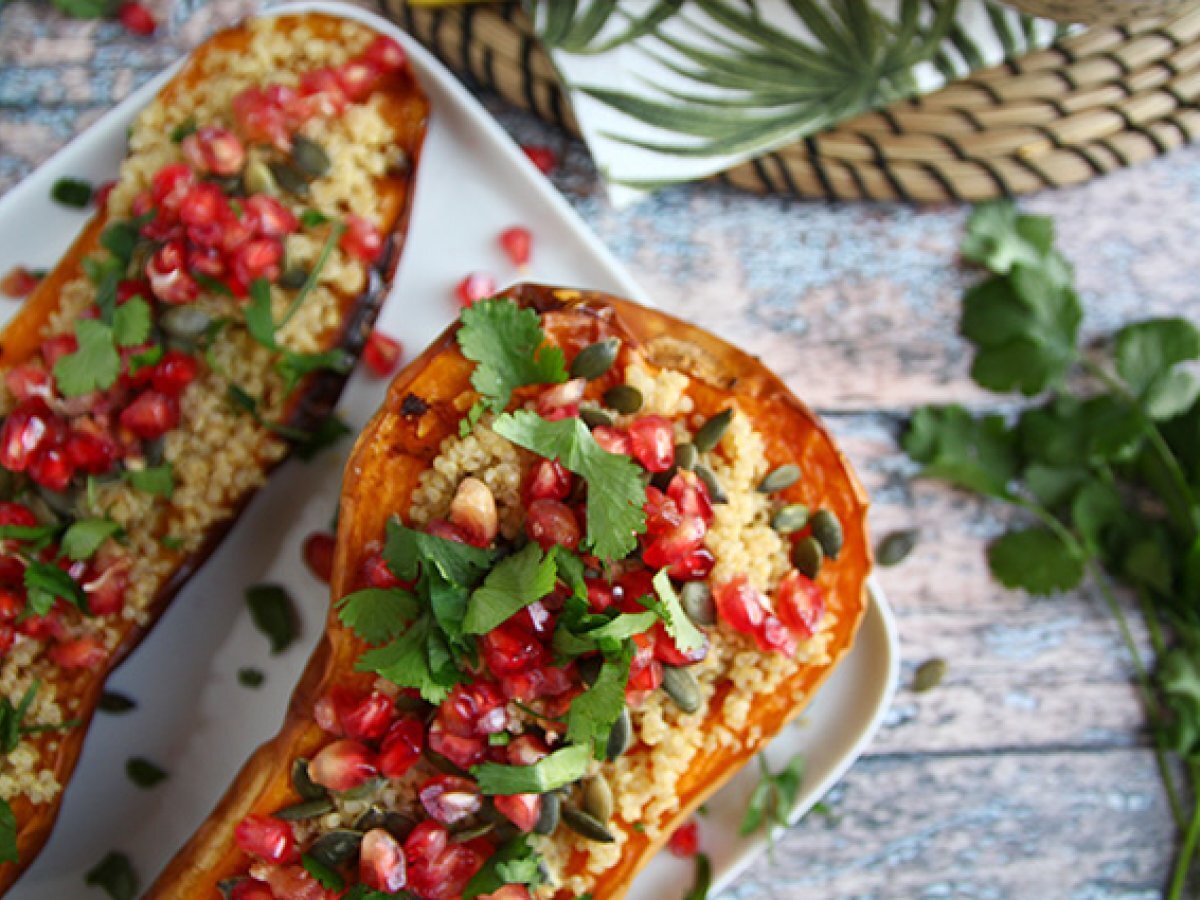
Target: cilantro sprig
{"points": [[773, 798], [1103, 465]]}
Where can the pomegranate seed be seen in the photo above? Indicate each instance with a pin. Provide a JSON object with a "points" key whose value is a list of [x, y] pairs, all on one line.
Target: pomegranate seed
{"points": [[259, 258], [374, 572], [51, 468], [322, 88], [545, 159], [151, 415], [16, 514], [614, 440], [260, 119], [562, 400], [290, 882], [318, 554], [101, 192], [342, 765], [665, 649], [740, 605], [548, 480], [476, 286], [774, 635], [652, 441], [249, 889], [440, 528], [464, 752], [168, 280], [128, 288], [174, 372], [696, 566], [214, 150], [675, 545], [449, 799], [474, 710], [203, 260], [446, 877], [538, 618], [800, 604], [601, 594], [7, 637], [523, 810], [327, 711], [685, 840], [43, 628], [12, 604], [691, 496], [645, 680], [516, 242], [381, 356], [369, 718], [30, 381], [473, 511], [361, 239], [18, 282], [510, 648], [402, 747], [80, 653], [526, 749], [381, 862], [358, 78], [634, 585], [550, 523], [136, 19], [267, 838], [267, 217], [386, 54], [170, 186], [56, 348], [203, 205], [508, 892], [426, 842], [106, 591], [535, 683]]}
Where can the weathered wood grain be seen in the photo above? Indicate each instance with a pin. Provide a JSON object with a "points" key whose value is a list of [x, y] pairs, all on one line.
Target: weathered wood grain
{"points": [[1025, 775]]}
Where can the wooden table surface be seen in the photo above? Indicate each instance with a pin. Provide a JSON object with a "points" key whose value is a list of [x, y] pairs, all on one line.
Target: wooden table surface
{"points": [[1027, 773]]}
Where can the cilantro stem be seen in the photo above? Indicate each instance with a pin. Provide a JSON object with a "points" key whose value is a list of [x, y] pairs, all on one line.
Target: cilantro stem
{"points": [[335, 235], [1183, 862]]}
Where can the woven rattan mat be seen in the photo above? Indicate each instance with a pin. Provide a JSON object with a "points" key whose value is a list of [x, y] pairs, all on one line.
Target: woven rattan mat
{"points": [[1108, 97]]}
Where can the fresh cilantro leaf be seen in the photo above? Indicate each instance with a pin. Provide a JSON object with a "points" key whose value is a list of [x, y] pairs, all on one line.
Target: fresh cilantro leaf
{"points": [[559, 769], [147, 358], [1145, 351], [973, 453], [570, 570], [45, 583], [513, 584], [273, 613], [1095, 510], [702, 883], [31, 534], [594, 712], [172, 542], [1171, 394], [115, 875], [620, 627], [774, 797], [259, 319], [94, 366], [11, 718], [506, 341], [120, 239], [73, 192], [116, 703], [616, 493], [159, 481], [377, 614], [1178, 675], [328, 432], [250, 677], [144, 773], [84, 537], [1036, 560], [293, 366], [686, 635], [183, 129], [311, 218], [413, 660], [131, 322], [406, 551], [998, 237], [328, 878], [8, 833], [1052, 486]]}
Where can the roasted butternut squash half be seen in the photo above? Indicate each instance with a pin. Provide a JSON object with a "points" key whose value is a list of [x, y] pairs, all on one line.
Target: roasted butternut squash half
{"points": [[590, 559], [201, 325]]}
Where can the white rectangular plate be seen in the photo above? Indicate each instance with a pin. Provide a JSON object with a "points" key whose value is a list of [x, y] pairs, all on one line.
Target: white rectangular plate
{"points": [[192, 716]]}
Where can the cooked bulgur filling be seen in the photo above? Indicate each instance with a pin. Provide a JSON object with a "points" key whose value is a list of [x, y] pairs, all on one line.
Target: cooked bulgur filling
{"points": [[244, 215], [576, 583]]}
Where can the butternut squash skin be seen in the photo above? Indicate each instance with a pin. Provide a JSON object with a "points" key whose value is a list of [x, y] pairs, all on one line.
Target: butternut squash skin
{"points": [[423, 406], [405, 107]]}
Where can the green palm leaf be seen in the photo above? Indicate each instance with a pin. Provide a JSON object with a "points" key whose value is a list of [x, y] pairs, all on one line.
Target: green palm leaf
{"points": [[562, 29]]}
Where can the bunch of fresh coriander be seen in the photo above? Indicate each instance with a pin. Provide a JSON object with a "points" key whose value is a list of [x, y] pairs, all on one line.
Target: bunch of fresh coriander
{"points": [[1105, 463]]}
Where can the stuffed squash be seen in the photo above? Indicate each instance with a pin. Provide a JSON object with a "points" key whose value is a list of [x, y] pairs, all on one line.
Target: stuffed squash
{"points": [[202, 324], [590, 559]]}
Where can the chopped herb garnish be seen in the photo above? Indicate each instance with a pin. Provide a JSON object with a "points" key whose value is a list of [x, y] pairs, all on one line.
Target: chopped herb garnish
{"points": [[703, 881], [328, 878], [515, 862], [250, 677], [144, 773], [158, 481], [513, 584], [131, 322], [8, 833], [311, 218], [83, 538], [419, 658], [773, 799], [115, 703], [594, 712], [335, 235], [115, 875], [46, 583], [560, 768], [293, 366], [328, 432], [172, 542], [183, 129], [377, 614], [94, 366], [273, 613], [686, 635], [73, 192], [120, 239]]}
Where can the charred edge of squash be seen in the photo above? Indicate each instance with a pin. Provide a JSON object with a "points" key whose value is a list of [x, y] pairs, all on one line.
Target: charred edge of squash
{"points": [[391, 438], [310, 403]]}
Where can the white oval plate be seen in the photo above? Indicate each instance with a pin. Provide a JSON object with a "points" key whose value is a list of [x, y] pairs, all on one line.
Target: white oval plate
{"points": [[192, 716]]}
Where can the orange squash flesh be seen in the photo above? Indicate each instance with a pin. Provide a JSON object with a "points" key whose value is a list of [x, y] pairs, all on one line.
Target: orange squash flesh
{"points": [[405, 107], [424, 405]]}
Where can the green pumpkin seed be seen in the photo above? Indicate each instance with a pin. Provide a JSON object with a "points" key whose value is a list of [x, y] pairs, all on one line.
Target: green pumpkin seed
{"points": [[230, 185], [259, 180], [185, 323], [624, 398], [364, 790], [929, 675], [779, 479], [474, 831], [289, 178], [828, 531], [620, 738], [336, 847], [306, 809], [293, 278], [697, 600], [442, 764], [547, 822], [594, 417], [790, 518], [586, 825], [309, 157], [686, 456], [715, 492], [682, 687], [303, 784], [807, 557], [894, 547], [62, 502], [374, 817], [712, 431], [598, 799], [595, 359]]}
